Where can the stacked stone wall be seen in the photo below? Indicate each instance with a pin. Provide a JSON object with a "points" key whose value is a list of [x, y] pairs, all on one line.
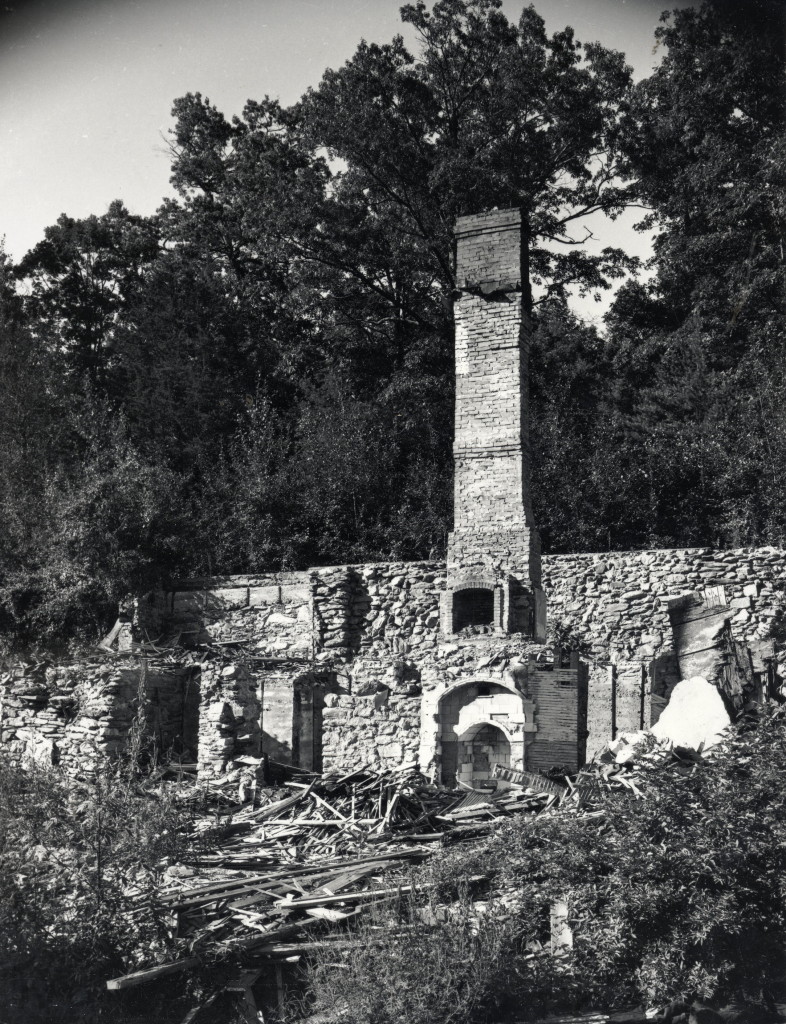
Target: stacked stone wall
{"points": [[396, 607], [229, 715], [272, 614], [379, 730], [74, 715], [363, 644], [616, 603]]}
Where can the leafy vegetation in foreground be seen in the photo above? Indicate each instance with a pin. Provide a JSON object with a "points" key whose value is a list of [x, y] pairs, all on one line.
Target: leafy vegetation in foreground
{"points": [[677, 896], [76, 860], [261, 374], [681, 895]]}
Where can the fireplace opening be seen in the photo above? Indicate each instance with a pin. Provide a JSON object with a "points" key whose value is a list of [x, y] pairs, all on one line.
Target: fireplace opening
{"points": [[473, 607], [478, 751]]}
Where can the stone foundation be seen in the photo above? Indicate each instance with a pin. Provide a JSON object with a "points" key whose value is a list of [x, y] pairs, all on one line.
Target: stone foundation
{"points": [[73, 716]]}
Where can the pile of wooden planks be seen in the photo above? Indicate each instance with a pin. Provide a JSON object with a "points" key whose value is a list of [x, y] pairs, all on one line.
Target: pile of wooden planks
{"points": [[293, 863], [278, 872]]}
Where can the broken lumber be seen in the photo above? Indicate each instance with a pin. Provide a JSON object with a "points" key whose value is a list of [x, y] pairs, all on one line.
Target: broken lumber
{"points": [[150, 973]]}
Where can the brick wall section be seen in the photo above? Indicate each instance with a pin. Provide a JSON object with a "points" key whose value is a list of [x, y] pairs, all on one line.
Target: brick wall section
{"points": [[489, 247], [559, 739]]}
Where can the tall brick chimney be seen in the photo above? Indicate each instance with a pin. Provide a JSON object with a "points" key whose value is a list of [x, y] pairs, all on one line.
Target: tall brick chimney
{"points": [[494, 545]]}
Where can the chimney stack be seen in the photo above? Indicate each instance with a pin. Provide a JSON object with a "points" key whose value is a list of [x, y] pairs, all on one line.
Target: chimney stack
{"points": [[494, 542]]}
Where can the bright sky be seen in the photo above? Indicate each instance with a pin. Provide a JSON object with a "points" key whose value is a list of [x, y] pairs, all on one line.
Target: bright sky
{"points": [[86, 86]]}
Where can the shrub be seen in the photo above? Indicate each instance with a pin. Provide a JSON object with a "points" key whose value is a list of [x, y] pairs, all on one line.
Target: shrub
{"points": [[677, 896], [78, 873], [407, 965]]}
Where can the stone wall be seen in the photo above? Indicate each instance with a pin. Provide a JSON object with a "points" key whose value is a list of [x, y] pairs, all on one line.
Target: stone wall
{"points": [[229, 713], [617, 603], [74, 715], [270, 612], [342, 666]]}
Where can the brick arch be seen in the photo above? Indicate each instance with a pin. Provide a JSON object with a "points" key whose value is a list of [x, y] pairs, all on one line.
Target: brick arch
{"points": [[475, 583], [453, 595]]}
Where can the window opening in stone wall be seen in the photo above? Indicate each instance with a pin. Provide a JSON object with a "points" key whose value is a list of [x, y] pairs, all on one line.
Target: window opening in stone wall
{"points": [[473, 607]]}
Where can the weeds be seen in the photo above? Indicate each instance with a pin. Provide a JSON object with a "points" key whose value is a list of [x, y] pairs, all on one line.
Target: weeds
{"points": [[678, 896], [80, 862]]}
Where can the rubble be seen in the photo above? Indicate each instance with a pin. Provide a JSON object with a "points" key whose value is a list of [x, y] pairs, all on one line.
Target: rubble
{"points": [[288, 869], [293, 863]]}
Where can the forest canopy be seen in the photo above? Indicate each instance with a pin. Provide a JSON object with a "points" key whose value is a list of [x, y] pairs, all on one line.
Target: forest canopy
{"points": [[260, 374]]}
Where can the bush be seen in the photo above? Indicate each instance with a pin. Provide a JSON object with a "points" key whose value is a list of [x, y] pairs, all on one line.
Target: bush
{"points": [[678, 896], [681, 894], [78, 873], [408, 966]]}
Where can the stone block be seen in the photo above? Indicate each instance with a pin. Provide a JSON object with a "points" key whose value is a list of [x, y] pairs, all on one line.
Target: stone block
{"points": [[264, 595], [226, 598], [278, 619]]}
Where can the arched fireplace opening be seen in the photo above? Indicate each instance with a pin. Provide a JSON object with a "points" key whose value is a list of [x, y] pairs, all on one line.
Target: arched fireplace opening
{"points": [[477, 724], [482, 747]]}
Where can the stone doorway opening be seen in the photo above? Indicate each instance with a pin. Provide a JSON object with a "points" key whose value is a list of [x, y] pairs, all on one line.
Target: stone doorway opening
{"points": [[479, 749], [291, 718]]}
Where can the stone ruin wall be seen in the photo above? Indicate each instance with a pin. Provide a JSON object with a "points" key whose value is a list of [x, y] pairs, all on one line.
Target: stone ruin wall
{"points": [[75, 715], [364, 643], [617, 602]]}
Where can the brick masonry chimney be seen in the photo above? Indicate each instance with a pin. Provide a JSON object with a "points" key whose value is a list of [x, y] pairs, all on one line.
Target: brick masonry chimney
{"points": [[494, 542]]}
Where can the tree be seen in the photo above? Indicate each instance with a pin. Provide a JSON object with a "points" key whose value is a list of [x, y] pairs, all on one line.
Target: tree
{"points": [[487, 114], [80, 277], [104, 524], [348, 271], [700, 350], [709, 163]]}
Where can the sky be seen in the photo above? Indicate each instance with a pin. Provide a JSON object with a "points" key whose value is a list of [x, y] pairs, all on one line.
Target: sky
{"points": [[86, 86]]}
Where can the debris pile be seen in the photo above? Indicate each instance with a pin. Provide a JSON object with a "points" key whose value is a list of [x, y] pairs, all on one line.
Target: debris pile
{"points": [[313, 853], [288, 869]]}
